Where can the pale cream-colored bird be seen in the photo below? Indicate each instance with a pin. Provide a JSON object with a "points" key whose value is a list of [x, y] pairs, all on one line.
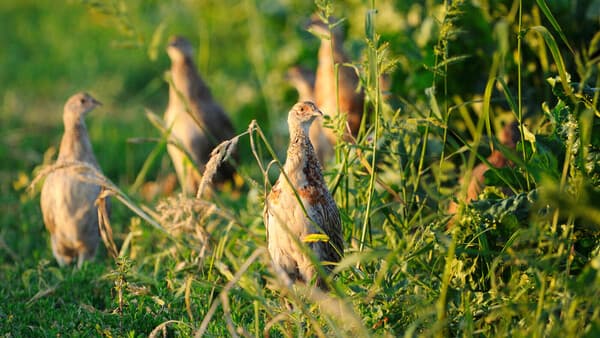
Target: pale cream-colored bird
{"points": [[289, 221], [304, 81], [67, 198], [333, 94], [196, 120]]}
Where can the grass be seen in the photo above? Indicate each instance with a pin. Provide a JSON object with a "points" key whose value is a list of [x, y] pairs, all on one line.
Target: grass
{"points": [[521, 260]]}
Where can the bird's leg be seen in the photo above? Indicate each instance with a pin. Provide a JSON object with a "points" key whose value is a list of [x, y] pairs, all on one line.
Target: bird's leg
{"points": [[60, 259], [80, 259]]}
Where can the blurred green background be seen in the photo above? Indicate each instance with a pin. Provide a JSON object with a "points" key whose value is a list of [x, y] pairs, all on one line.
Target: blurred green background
{"points": [[115, 50]]}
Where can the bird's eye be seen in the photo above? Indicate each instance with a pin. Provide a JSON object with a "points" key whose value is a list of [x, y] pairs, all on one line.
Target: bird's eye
{"points": [[82, 101]]}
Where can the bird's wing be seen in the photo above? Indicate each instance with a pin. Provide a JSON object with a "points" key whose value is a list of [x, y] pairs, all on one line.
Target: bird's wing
{"points": [[217, 122], [333, 229], [327, 216], [46, 204], [271, 198], [200, 147]]}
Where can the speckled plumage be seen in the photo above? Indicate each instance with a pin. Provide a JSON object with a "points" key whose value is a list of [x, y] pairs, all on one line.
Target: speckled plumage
{"points": [[201, 128], [67, 201], [284, 217], [304, 82]]}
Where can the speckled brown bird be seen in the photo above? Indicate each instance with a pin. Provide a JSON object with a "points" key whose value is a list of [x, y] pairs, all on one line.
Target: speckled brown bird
{"points": [[197, 121], [287, 222], [304, 81], [349, 96], [67, 199]]}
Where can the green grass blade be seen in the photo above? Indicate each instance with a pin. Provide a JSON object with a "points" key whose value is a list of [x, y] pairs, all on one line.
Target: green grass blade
{"points": [[557, 56], [544, 7]]}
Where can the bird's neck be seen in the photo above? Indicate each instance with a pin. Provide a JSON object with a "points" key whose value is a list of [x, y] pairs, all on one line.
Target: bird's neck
{"points": [[75, 144], [331, 50], [301, 163], [187, 81], [326, 82]]}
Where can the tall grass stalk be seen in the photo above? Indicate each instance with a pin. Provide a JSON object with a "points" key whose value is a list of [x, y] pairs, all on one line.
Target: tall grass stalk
{"points": [[372, 81], [519, 62]]}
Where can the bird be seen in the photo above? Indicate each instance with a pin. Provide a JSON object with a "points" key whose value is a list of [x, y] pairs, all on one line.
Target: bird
{"points": [[198, 123], [509, 137], [336, 94], [304, 81], [290, 219], [67, 200]]}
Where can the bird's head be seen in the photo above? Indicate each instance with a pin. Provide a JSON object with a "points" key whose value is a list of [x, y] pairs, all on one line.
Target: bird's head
{"points": [[80, 104], [303, 114], [179, 48], [298, 74]]}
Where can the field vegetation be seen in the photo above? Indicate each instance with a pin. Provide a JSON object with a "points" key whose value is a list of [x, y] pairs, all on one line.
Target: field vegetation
{"points": [[523, 259]]}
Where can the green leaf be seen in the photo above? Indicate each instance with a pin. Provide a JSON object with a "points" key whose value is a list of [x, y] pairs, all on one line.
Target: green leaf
{"points": [[507, 94], [545, 161], [544, 7], [529, 136], [557, 56], [155, 42], [502, 177], [433, 104]]}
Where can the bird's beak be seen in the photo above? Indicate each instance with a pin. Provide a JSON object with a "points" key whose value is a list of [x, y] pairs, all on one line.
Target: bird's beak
{"points": [[318, 113], [96, 102]]}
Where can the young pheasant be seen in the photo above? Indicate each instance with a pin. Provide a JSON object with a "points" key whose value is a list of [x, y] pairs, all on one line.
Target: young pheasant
{"points": [[196, 120], [333, 94], [67, 200], [288, 220], [304, 82]]}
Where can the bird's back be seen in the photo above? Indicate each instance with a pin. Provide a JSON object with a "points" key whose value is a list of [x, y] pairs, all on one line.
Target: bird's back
{"points": [[68, 202], [199, 123]]}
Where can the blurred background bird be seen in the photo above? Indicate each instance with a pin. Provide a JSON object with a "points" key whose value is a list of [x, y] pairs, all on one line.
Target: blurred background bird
{"points": [[197, 121], [68, 196], [303, 80], [336, 94], [509, 137], [290, 221]]}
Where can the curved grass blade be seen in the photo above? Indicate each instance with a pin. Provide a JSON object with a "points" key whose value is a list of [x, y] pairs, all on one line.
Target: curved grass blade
{"points": [[544, 7]]}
